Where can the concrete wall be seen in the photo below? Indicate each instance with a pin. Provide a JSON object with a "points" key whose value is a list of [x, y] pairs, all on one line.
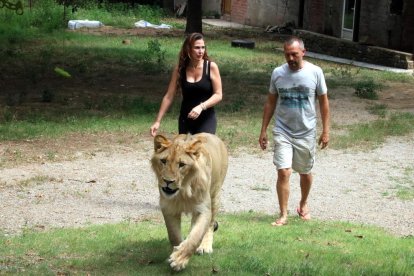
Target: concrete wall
{"points": [[209, 7]]}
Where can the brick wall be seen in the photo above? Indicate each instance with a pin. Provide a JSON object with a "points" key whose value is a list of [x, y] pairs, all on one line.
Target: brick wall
{"points": [[239, 11], [315, 12]]}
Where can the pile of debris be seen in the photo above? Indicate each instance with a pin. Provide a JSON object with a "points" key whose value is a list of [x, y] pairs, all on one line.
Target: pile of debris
{"points": [[287, 28]]}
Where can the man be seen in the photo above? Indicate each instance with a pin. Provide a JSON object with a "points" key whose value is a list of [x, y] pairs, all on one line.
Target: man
{"points": [[294, 88]]}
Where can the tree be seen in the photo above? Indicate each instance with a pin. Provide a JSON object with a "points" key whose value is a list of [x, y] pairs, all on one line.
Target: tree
{"points": [[194, 23]]}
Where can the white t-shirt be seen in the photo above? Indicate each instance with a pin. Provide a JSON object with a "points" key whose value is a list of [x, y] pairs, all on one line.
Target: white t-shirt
{"points": [[297, 93]]}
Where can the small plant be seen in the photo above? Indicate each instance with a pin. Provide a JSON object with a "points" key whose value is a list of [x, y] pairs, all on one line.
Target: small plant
{"points": [[156, 52], [367, 89], [7, 115], [35, 180], [404, 184]]}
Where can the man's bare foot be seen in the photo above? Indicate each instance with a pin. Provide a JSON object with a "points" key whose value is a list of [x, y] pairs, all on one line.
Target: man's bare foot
{"points": [[303, 213]]}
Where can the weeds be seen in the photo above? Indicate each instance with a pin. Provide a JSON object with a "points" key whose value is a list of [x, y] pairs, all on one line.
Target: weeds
{"points": [[155, 54], [367, 89], [378, 109], [36, 180], [340, 75], [405, 184]]}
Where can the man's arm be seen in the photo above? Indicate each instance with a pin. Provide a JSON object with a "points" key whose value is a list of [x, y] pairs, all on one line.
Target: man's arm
{"points": [[325, 116], [268, 110]]}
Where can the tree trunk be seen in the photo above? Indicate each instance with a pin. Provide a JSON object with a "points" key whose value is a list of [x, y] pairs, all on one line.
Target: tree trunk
{"points": [[194, 22], [168, 5]]}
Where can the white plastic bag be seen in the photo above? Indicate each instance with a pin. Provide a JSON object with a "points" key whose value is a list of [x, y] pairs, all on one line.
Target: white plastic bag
{"points": [[146, 24], [77, 24]]}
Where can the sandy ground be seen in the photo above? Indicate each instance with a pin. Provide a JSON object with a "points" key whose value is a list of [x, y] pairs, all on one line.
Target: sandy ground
{"points": [[109, 187]]}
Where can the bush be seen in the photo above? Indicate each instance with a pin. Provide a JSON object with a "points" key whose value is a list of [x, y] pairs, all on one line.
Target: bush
{"points": [[367, 89]]}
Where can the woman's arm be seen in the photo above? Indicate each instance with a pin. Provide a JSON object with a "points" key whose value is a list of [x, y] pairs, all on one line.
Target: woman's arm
{"points": [[166, 101]]}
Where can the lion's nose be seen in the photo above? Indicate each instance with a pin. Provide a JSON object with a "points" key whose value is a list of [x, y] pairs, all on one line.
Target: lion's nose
{"points": [[168, 182]]}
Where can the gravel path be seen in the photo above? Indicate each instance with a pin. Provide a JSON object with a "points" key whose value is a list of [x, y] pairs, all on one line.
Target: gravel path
{"points": [[111, 187]]}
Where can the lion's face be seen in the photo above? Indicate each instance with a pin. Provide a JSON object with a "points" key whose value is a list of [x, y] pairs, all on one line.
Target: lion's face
{"points": [[174, 163]]}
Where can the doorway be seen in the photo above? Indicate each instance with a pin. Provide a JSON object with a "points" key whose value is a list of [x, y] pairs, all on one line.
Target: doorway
{"points": [[348, 19], [226, 7]]}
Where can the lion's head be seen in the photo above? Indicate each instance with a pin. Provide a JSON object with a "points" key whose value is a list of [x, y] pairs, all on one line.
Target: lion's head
{"points": [[177, 163]]}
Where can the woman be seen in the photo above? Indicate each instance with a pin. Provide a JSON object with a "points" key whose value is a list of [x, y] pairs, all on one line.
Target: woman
{"points": [[200, 83]]}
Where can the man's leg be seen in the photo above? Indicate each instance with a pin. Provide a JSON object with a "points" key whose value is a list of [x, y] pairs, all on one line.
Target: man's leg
{"points": [[283, 189], [282, 158], [305, 186]]}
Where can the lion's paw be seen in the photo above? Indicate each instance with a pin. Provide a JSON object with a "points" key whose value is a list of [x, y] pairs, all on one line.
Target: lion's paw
{"points": [[178, 260], [204, 250]]}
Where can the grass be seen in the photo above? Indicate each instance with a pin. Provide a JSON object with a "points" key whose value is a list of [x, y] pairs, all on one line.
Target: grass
{"points": [[369, 135], [245, 244]]}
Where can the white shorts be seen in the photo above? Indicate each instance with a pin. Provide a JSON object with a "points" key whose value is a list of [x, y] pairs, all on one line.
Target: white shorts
{"points": [[298, 154]]}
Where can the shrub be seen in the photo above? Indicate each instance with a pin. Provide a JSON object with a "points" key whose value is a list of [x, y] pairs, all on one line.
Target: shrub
{"points": [[367, 89]]}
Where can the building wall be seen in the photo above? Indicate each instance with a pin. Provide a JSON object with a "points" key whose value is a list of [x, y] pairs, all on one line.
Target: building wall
{"points": [[261, 13], [210, 7], [332, 17], [377, 25], [315, 15], [408, 26], [239, 11]]}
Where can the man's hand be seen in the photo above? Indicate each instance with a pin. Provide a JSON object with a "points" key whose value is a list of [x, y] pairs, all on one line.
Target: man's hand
{"points": [[323, 140], [263, 140]]}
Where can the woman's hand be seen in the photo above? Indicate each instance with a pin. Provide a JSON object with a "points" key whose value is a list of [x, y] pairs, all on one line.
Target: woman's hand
{"points": [[154, 128], [195, 112]]}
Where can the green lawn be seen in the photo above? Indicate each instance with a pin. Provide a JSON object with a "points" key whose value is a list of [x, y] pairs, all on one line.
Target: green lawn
{"points": [[245, 244]]}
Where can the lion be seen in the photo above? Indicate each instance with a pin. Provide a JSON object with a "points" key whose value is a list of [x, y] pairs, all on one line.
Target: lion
{"points": [[190, 170]]}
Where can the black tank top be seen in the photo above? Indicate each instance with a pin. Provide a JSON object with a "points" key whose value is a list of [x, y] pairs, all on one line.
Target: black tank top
{"points": [[197, 92]]}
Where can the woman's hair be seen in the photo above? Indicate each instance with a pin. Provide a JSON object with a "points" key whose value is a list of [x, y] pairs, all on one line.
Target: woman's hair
{"points": [[184, 56]]}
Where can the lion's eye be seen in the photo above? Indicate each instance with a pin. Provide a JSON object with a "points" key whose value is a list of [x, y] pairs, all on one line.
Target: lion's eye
{"points": [[181, 164], [163, 161]]}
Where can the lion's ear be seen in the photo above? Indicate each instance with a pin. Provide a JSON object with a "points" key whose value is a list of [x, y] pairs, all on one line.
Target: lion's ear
{"points": [[161, 143], [195, 147]]}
